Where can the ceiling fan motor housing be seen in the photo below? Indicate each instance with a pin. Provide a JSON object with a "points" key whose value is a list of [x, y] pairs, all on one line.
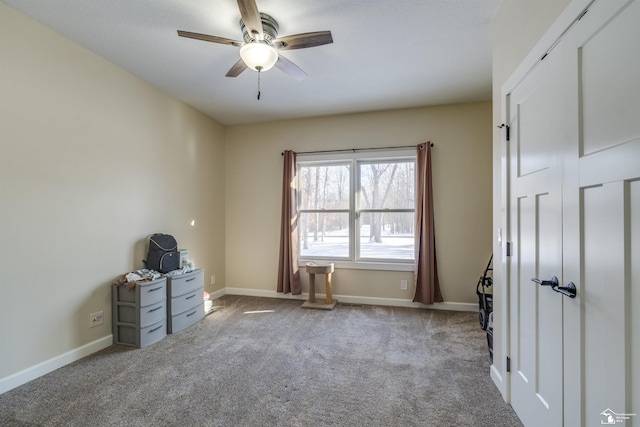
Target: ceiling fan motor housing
{"points": [[269, 29]]}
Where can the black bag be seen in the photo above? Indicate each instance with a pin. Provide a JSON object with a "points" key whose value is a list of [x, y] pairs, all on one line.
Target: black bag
{"points": [[163, 255]]}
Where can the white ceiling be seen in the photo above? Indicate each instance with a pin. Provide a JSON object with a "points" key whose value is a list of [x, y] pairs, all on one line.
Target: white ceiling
{"points": [[386, 54]]}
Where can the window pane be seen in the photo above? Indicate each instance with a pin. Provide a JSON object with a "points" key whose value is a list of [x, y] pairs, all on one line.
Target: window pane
{"points": [[324, 186], [324, 234], [388, 185], [387, 235]]}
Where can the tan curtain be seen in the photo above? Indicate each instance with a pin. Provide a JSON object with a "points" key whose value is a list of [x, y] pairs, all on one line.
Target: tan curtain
{"points": [[288, 272], [425, 275]]}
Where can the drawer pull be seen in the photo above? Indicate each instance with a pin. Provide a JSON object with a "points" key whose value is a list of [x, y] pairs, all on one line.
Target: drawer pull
{"points": [[155, 309], [155, 289], [191, 314], [190, 296], [188, 280], [155, 329]]}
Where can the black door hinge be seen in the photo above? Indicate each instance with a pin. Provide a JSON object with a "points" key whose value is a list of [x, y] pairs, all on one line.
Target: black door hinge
{"points": [[508, 248], [508, 364]]}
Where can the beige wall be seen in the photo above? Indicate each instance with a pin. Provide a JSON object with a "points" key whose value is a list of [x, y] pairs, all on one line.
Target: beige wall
{"points": [[462, 193], [92, 161], [517, 27]]}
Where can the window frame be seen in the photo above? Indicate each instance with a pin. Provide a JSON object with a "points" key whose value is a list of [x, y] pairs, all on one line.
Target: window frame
{"points": [[356, 159]]}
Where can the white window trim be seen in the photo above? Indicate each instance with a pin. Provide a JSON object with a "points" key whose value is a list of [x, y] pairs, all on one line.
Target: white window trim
{"points": [[382, 155]]}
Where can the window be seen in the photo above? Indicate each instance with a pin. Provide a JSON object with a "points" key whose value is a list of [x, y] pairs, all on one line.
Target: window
{"points": [[358, 210]]}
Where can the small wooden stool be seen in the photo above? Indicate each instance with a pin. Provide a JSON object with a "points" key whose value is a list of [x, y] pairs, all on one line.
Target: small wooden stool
{"points": [[314, 269]]}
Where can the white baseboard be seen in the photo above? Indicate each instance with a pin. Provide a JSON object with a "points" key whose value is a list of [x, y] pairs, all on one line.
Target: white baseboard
{"points": [[348, 299], [43, 368], [217, 294]]}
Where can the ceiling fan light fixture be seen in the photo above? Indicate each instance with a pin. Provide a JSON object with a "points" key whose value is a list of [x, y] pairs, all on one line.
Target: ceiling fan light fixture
{"points": [[259, 56]]}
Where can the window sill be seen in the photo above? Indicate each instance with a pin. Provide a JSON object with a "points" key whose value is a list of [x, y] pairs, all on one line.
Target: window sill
{"points": [[350, 265]]}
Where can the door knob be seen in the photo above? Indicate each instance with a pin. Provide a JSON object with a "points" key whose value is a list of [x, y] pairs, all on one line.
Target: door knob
{"points": [[569, 290], [552, 282]]}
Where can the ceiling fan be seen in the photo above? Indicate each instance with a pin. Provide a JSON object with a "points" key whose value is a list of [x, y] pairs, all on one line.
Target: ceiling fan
{"points": [[260, 48]]}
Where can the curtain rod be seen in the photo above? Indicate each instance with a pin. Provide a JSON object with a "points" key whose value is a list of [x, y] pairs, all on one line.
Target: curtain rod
{"points": [[353, 150]]}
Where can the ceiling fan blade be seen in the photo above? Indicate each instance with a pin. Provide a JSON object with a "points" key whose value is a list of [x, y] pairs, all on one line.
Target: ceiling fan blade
{"points": [[251, 18], [290, 69], [208, 38], [237, 68], [301, 41]]}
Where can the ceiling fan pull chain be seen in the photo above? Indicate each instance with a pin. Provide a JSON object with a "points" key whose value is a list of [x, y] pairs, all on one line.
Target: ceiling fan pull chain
{"points": [[259, 69]]}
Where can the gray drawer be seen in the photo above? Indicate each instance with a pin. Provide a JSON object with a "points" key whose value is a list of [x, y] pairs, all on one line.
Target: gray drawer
{"points": [[143, 316], [184, 283], [185, 302], [142, 337], [145, 293], [186, 319]]}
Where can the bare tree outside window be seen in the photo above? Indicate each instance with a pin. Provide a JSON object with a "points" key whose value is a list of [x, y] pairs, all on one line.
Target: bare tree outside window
{"points": [[387, 206], [324, 209], [371, 220]]}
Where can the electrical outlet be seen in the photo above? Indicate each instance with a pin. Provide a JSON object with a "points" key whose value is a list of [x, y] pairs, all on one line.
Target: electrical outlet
{"points": [[213, 279], [403, 285], [96, 318]]}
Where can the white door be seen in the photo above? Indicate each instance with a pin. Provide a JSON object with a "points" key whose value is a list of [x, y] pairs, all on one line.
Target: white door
{"points": [[535, 232], [602, 218], [575, 168]]}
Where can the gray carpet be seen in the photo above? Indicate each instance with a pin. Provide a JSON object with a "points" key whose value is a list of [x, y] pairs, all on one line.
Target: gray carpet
{"points": [[285, 366]]}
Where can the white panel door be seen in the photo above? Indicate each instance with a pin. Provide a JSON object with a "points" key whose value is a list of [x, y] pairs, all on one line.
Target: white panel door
{"points": [[602, 217], [535, 211]]}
